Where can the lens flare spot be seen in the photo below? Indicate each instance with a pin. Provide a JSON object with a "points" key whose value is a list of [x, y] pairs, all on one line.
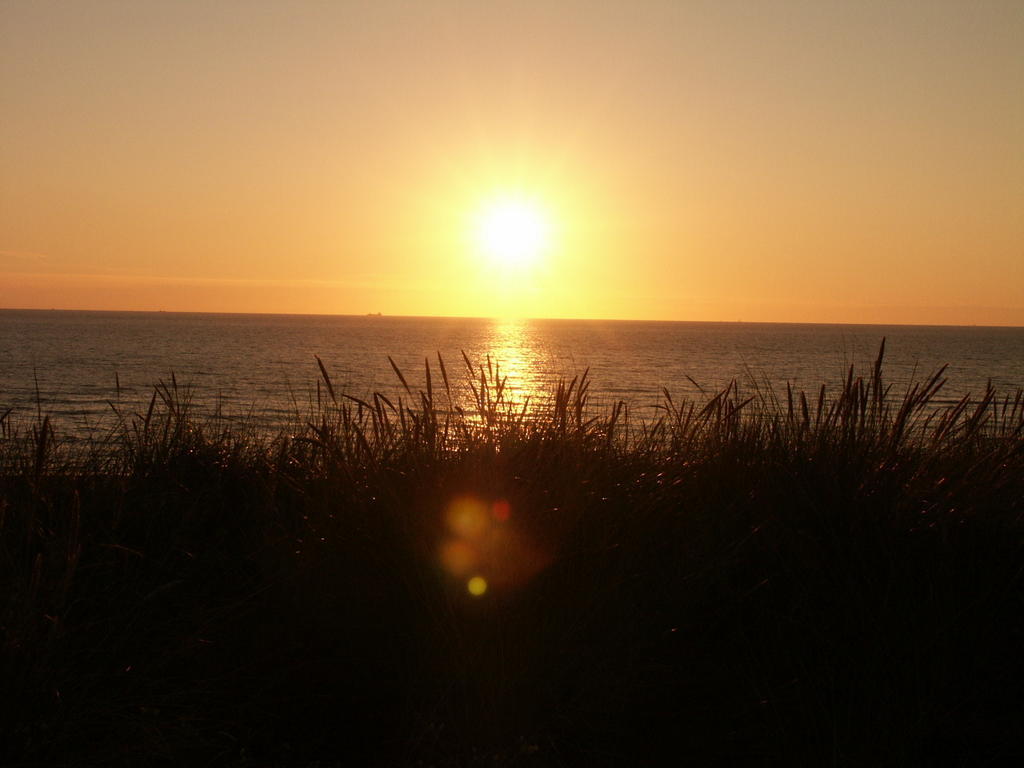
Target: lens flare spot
{"points": [[467, 517], [501, 510], [477, 586], [458, 557]]}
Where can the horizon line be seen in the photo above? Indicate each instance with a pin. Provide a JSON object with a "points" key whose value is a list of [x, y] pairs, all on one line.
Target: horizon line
{"points": [[498, 318]]}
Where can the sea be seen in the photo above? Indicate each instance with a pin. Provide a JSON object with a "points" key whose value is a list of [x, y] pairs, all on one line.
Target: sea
{"points": [[79, 367]]}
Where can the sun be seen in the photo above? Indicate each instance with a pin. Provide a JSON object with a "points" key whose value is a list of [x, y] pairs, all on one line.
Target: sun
{"points": [[512, 231]]}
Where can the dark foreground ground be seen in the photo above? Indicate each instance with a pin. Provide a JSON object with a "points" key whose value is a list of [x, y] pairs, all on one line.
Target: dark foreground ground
{"points": [[767, 582]]}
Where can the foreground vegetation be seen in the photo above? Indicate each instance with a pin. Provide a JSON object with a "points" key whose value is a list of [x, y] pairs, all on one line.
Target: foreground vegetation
{"points": [[765, 578]]}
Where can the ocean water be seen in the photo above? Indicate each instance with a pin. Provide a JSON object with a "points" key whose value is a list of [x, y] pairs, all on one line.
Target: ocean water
{"points": [[73, 365]]}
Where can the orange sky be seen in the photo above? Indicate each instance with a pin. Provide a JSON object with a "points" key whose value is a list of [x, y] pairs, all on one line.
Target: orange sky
{"points": [[796, 161]]}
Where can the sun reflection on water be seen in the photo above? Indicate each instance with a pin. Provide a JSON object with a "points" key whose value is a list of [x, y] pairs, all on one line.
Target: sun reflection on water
{"points": [[514, 350]]}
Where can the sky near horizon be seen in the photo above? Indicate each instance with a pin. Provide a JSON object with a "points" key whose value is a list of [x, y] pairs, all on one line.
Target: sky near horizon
{"points": [[814, 161]]}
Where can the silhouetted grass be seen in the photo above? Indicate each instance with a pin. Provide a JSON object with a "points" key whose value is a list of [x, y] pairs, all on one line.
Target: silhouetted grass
{"points": [[768, 578]]}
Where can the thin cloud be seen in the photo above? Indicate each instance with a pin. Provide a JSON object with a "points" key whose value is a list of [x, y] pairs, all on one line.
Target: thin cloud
{"points": [[24, 257]]}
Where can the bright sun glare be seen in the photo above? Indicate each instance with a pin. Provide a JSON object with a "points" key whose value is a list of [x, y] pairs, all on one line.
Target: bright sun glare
{"points": [[512, 231]]}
